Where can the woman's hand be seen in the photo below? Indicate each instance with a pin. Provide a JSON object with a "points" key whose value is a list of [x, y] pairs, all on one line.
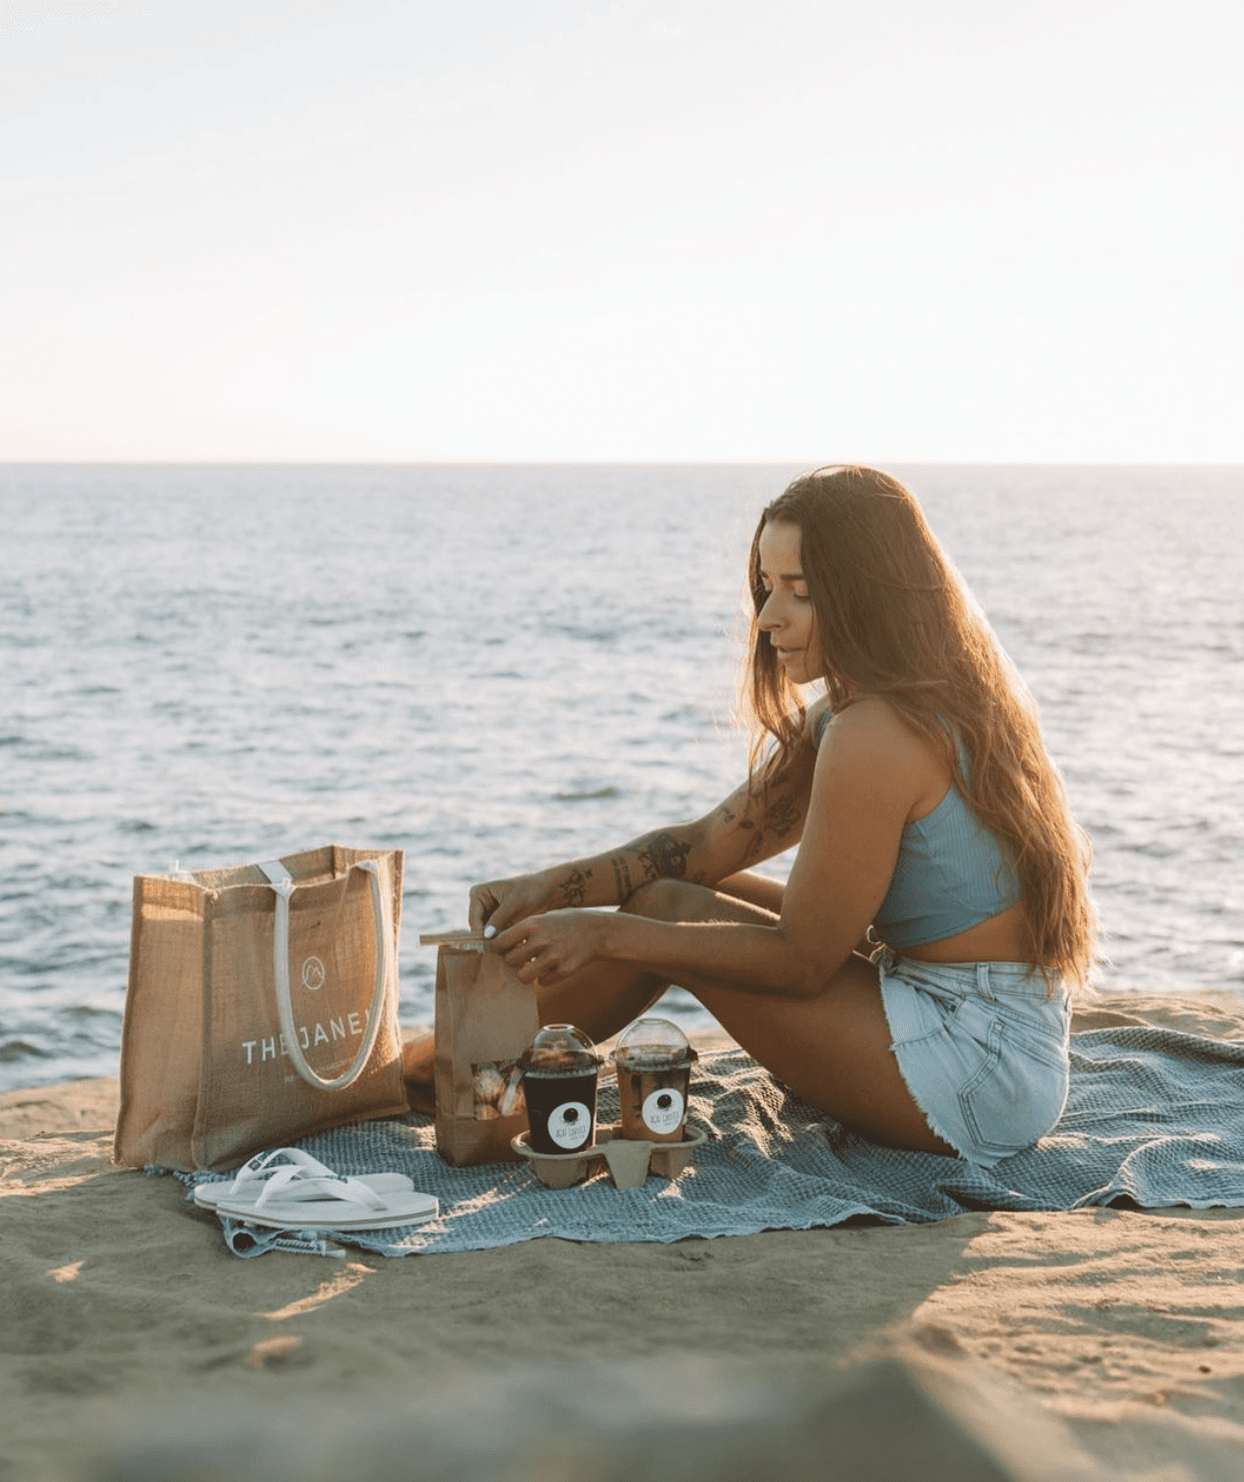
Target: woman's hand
{"points": [[500, 903], [552, 946]]}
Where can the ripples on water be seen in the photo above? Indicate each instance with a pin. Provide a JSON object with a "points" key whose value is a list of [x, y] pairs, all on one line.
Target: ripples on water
{"points": [[495, 668]]}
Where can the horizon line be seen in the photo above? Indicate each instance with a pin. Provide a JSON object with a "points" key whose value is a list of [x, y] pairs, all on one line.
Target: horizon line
{"points": [[365, 462]]}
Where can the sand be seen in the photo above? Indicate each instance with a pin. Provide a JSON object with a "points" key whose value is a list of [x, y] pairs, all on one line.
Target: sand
{"points": [[1099, 1343]]}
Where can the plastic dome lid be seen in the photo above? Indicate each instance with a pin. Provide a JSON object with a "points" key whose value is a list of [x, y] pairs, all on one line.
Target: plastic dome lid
{"points": [[560, 1049], [653, 1043]]}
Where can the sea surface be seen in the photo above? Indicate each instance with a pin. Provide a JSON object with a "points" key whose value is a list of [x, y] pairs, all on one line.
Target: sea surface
{"points": [[495, 668]]}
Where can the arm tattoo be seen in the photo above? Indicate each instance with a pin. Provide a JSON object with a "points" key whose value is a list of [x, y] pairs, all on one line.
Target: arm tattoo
{"points": [[621, 878], [664, 858], [573, 889], [782, 815], [755, 847]]}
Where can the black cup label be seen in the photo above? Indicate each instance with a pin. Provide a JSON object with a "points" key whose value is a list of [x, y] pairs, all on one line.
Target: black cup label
{"points": [[663, 1110], [570, 1125]]}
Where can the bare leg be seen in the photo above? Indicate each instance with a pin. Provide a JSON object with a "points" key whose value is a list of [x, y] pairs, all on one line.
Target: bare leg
{"points": [[834, 1050], [608, 996], [756, 890], [602, 1000]]}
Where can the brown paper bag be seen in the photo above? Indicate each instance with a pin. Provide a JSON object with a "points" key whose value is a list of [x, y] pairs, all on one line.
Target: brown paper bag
{"points": [[485, 1019], [261, 1007]]}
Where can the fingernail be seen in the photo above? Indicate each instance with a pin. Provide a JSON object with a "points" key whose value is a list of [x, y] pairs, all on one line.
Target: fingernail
{"points": [[489, 929]]}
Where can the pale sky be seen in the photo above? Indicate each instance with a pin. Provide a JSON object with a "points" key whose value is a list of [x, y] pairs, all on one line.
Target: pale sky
{"points": [[786, 230]]}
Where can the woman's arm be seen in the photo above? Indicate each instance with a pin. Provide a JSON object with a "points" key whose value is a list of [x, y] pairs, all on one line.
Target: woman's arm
{"points": [[869, 773], [754, 823]]}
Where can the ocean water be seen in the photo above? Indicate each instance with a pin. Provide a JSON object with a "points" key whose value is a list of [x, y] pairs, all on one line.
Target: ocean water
{"points": [[495, 668]]}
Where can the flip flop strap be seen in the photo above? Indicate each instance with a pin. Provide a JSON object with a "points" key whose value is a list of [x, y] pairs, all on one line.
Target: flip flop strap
{"points": [[263, 1165], [292, 1185]]}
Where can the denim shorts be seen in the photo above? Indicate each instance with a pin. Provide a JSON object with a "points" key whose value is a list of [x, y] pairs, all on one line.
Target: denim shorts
{"points": [[982, 1048]]}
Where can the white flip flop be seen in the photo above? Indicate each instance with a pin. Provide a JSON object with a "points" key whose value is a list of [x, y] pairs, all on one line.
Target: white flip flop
{"points": [[254, 1177], [292, 1200]]}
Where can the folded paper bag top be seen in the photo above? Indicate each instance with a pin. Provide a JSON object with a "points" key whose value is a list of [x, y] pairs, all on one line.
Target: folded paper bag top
{"points": [[460, 941]]}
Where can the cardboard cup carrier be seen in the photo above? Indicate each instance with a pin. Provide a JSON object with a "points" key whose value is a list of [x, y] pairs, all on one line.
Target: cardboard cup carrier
{"points": [[654, 1062]]}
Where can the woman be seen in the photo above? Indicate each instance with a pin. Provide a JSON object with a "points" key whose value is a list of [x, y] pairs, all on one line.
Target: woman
{"points": [[912, 976]]}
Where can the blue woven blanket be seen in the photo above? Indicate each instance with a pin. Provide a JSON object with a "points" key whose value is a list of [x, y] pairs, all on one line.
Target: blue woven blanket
{"points": [[1154, 1118]]}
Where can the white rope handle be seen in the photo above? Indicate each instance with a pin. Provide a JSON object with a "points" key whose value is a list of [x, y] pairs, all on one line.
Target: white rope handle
{"points": [[283, 884]]}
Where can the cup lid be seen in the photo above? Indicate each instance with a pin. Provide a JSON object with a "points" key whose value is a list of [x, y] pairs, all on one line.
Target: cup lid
{"points": [[561, 1049], [655, 1043]]}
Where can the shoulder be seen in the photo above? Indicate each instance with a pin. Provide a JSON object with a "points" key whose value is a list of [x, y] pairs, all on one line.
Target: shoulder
{"points": [[868, 738], [871, 722]]}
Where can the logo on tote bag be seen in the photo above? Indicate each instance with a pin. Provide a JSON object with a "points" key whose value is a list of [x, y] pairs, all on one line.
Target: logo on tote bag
{"points": [[313, 974], [348, 1026]]}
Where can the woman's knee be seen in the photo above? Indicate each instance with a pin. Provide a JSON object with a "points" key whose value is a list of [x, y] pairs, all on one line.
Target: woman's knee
{"points": [[755, 890], [663, 900]]}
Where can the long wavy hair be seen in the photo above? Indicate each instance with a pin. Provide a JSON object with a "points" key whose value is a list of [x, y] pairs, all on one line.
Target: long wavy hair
{"points": [[896, 620]]}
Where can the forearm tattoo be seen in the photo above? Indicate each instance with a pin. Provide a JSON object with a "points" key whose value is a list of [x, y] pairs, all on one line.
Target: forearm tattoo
{"points": [[665, 858], [573, 889], [621, 878]]}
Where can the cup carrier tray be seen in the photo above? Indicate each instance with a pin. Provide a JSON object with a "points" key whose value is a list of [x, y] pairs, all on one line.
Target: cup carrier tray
{"points": [[629, 1159]]}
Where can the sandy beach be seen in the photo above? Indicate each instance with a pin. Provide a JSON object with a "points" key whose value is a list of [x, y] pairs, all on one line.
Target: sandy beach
{"points": [[1097, 1343]]}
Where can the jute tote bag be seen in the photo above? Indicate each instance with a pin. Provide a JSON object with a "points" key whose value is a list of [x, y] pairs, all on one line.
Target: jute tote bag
{"points": [[262, 1006]]}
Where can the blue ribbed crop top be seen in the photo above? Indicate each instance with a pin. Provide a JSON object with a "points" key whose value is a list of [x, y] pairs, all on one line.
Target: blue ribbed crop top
{"points": [[952, 873]]}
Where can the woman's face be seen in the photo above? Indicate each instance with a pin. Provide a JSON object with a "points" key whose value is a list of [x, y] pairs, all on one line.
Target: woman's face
{"points": [[788, 617]]}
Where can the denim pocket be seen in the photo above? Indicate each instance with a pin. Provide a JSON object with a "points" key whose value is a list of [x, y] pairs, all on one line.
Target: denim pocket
{"points": [[1018, 1094], [1050, 1049]]}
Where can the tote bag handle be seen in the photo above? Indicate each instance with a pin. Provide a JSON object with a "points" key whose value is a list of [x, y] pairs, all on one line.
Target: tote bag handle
{"points": [[283, 883]]}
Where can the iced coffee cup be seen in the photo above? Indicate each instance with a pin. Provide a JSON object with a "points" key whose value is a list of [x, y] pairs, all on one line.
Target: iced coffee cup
{"points": [[654, 1068], [560, 1068]]}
